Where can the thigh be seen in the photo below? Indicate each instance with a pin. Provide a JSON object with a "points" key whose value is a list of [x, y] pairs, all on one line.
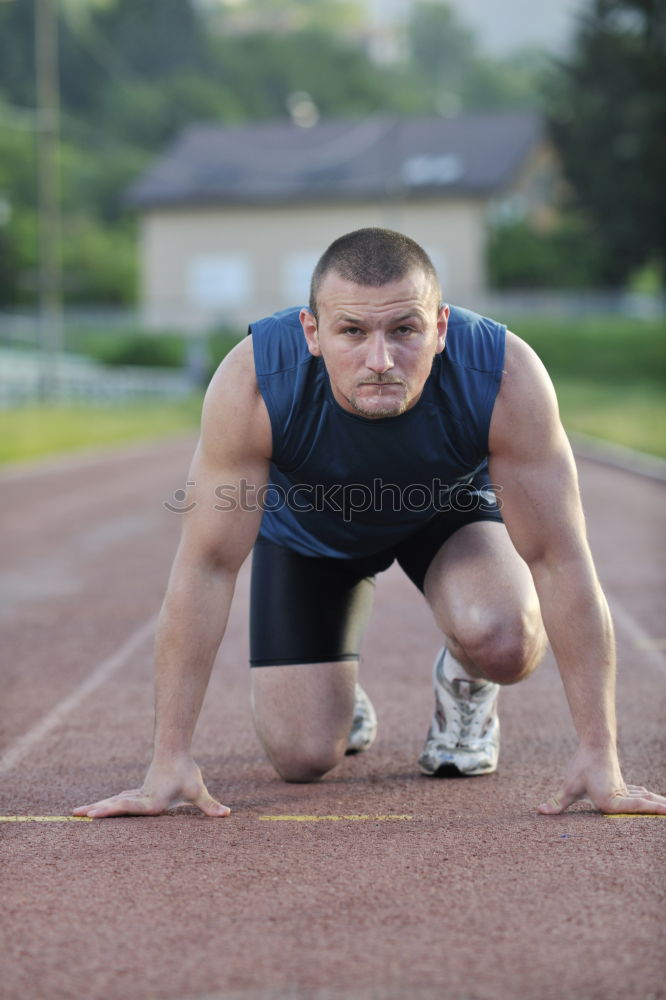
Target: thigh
{"points": [[306, 610], [470, 504]]}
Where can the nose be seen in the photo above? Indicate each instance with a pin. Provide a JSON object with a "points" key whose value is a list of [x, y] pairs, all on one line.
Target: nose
{"points": [[378, 358]]}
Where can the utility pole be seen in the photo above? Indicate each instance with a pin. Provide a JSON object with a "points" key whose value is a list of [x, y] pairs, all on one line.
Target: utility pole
{"points": [[50, 267]]}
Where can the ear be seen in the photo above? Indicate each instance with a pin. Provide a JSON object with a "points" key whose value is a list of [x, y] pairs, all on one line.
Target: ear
{"points": [[442, 324], [309, 324]]}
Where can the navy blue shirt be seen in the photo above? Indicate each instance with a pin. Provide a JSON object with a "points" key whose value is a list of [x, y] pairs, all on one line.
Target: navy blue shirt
{"points": [[344, 485]]}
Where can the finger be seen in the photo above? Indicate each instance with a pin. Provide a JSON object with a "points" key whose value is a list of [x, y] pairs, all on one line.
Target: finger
{"points": [[558, 803], [210, 806], [83, 810], [644, 804], [121, 806], [639, 792]]}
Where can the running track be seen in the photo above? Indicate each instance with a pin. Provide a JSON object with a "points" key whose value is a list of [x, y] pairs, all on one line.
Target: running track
{"points": [[474, 897]]}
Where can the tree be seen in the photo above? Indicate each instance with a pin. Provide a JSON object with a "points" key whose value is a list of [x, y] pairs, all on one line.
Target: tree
{"points": [[440, 51], [608, 115]]}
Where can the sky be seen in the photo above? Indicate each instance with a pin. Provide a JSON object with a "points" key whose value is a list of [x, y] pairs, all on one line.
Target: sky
{"points": [[504, 25]]}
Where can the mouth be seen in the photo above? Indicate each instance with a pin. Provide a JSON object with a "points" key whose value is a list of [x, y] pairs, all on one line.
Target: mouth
{"points": [[379, 383]]}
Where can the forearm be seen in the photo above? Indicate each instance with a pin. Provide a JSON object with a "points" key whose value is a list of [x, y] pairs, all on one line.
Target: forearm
{"points": [[578, 624], [191, 626]]}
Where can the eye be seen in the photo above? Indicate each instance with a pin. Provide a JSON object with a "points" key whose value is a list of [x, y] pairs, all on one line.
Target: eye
{"points": [[404, 331], [353, 331]]}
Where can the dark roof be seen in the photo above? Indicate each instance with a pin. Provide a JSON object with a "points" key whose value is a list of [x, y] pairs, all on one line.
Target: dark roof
{"points": [[369, 159]]}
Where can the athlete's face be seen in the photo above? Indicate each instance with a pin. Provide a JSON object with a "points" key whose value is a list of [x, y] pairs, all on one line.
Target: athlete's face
{"points": [[378, 344]]}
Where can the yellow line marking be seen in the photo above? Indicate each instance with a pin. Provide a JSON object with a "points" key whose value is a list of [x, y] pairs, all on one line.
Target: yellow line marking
{"points": [[334, 819], [46, 819], [634, 815]]}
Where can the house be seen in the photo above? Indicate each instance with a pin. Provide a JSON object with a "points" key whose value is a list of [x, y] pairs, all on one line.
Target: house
{"points": [[233, 219]]}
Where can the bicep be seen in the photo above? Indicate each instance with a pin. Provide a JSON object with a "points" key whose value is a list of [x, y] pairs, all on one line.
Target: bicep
{"points": [[532, 463], [225, 511]]}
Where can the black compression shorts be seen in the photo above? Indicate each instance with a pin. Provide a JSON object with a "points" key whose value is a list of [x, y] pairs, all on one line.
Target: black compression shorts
{"points": [[309, 609]]}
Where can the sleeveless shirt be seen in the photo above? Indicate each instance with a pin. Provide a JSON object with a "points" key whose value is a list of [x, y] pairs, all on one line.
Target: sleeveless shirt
{"points": [[343, 485]]}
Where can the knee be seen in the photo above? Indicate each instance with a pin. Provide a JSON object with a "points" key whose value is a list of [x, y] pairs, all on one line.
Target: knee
{"points": [[504, 651], [304, 763]]}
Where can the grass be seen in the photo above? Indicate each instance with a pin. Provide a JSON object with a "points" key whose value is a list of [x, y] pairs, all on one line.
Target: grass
{"points": [[632, 415], [600, 349], [609, 374], [36, 431]]}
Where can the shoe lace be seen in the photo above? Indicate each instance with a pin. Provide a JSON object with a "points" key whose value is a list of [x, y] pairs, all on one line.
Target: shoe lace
{"points": [[466, 710], [461, 721]]}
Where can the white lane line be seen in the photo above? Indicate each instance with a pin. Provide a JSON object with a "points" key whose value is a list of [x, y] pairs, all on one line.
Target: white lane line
{"points": [[645, 643], [101, 673], [617, 456]]}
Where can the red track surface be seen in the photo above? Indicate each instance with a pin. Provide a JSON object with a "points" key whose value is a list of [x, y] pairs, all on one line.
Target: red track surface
{"points": [[476, 897]]}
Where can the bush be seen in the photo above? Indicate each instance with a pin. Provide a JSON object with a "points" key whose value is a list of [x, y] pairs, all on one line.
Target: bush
{"points": [[566, 257], [151, 349], [220, 342], [605, 350], [165, 349]]}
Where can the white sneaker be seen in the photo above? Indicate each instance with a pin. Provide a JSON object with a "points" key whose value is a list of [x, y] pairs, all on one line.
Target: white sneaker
{"points": [[464, 733], [364, 724]]}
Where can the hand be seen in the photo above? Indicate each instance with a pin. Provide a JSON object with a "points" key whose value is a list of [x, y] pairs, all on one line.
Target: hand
{"points": [[178, 783], [597, 776]]}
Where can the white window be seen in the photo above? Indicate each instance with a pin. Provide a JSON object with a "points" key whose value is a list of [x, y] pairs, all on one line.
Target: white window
{"points": [[297, 270], [215, 280], [418, 171]]}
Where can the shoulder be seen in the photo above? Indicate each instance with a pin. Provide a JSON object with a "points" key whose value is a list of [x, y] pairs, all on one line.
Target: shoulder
{"points": [[525, 380], [234, 417]]}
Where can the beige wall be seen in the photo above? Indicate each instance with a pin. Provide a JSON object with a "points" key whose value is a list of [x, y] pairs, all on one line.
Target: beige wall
{"points": [[230, 264]]}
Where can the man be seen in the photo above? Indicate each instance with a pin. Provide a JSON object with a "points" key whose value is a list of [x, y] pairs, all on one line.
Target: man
{"points": [[387, 425]]}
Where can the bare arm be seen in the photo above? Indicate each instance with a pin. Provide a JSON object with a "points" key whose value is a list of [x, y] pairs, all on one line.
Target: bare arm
{"points": [[530, 458], [234, 448]]}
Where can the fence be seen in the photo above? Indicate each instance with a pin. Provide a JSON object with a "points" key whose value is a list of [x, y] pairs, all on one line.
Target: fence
{"points": [[24, 379]]}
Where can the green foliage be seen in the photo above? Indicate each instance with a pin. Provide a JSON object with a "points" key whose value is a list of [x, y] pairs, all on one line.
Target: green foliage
{"points": [[568, 256], [440, 50], [608, 350], [135, 348], [608, 110], [167, 348], [219, 343], [99, 262], [9, 271], [498, 84], [632, 414], [453, 76], [264, 69]]}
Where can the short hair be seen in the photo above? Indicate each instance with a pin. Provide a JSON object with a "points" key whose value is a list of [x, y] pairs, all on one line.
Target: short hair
{"points": [[372, 257]]}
